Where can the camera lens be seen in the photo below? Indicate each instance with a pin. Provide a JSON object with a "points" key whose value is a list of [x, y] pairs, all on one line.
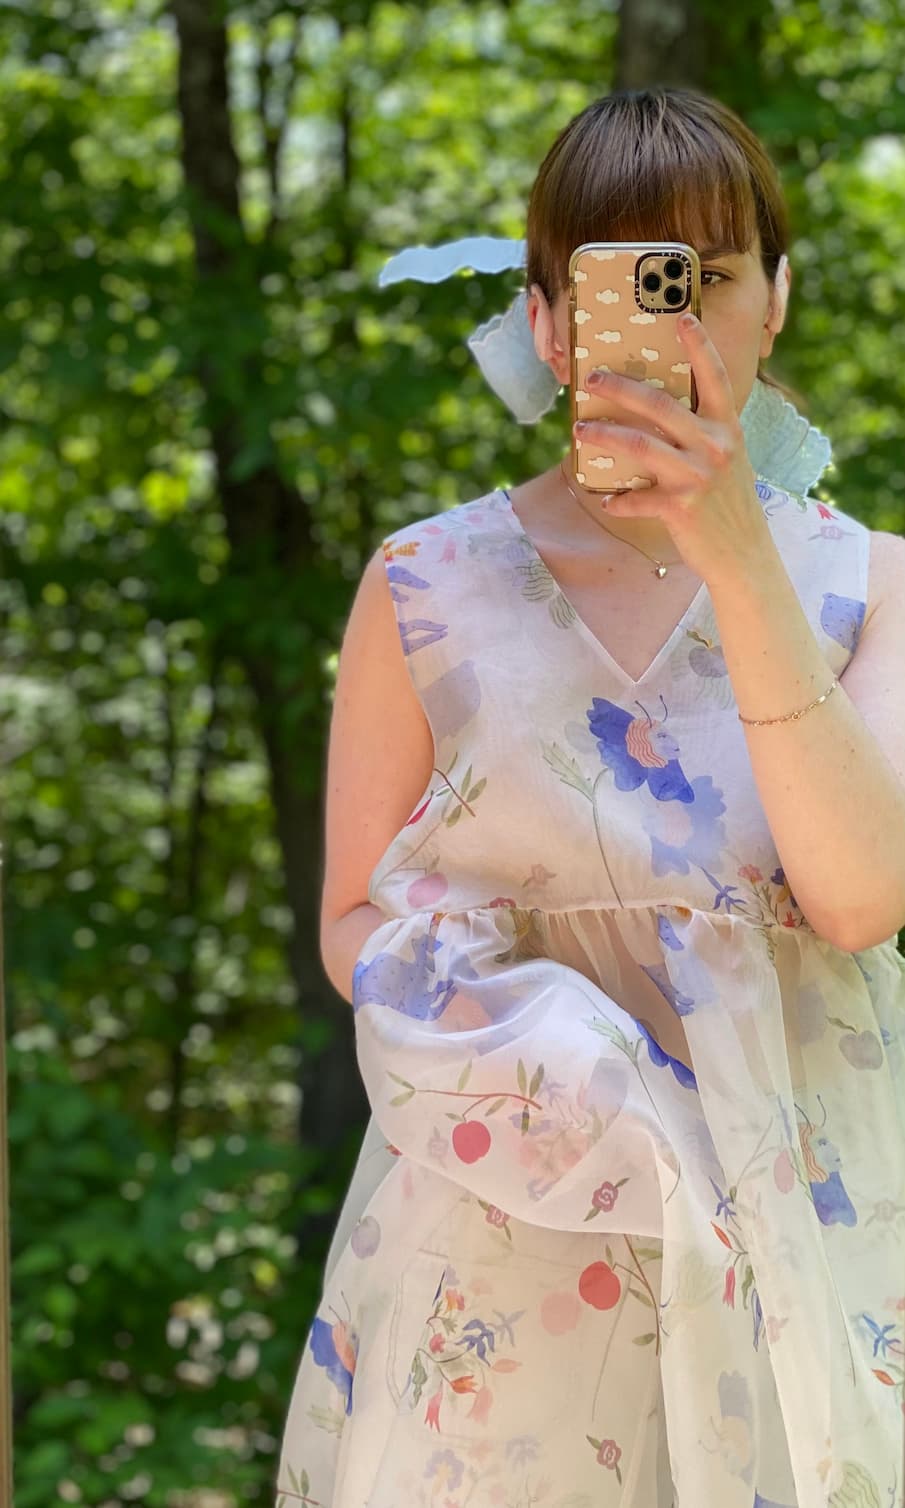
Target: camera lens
{"points": [[673, 295], [673, 267], [651, 281]]}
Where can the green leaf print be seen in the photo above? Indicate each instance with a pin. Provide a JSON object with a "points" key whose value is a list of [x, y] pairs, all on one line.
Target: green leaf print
{"points": [[536, 1081], [567, 768], [857, 1490], [332, 1420]]}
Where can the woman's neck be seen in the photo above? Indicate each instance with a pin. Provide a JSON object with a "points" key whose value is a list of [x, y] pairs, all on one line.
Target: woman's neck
{"points": [[647, 534]]}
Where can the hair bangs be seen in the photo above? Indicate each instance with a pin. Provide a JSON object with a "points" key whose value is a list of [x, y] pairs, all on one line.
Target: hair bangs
{"points": [[652, 165]]}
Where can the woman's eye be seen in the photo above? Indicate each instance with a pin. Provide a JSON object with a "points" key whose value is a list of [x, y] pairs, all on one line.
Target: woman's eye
{"points": [[713, 272]]}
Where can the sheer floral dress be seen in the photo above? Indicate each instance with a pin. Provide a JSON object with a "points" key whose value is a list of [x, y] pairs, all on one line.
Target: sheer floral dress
{"points": [[627, 1225]]}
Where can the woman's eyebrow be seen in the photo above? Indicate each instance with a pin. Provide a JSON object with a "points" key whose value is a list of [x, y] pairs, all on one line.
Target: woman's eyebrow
{"points": [[710, 252]]}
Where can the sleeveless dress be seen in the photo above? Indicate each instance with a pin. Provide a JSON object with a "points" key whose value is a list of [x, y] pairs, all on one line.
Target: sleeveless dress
{"points": [[573, 1271]]}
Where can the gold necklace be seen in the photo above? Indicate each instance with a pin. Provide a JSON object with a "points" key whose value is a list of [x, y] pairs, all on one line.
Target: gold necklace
{"points": [[661, 570]]}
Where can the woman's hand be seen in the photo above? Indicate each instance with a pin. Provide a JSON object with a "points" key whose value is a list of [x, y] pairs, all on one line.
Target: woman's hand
{"points": [[705, 490]]}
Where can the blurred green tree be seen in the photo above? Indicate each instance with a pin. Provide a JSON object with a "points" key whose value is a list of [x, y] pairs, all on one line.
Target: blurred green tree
{"points": [[211, 416]]}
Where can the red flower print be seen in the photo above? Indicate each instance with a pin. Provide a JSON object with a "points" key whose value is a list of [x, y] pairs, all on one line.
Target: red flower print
{"points": [[495, 1216], [437, 1343], [750, 872], [608, 1454], [605, 1197], [479, 1410], [432, 1416], [729, 1289]]}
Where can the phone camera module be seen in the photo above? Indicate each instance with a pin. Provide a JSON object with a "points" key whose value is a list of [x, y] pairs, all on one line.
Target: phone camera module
{"points": [[651, 281], [673, 295], [673, 268]]}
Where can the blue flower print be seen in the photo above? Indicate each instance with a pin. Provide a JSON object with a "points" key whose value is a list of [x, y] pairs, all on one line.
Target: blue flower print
{"points": [[481, 1337], [638, 750], [823, 1166], [881, 1336], [450, 1460], [641, 752], [335, 1348], [842, 618], [661, 1058], [683, 1005], [772, 495], [725, 1205], [409, 986], [704, 837], [667, 933], [831, 1199], [415, 633]]}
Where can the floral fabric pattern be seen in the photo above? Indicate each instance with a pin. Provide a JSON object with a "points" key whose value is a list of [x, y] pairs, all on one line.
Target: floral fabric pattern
{"points": [[619, 1235]]}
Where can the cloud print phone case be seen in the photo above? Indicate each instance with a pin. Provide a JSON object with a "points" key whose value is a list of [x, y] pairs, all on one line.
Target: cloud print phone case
{"points": [[624, 300]]}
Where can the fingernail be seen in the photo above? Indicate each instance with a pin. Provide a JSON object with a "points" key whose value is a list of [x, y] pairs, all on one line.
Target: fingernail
{"points": [[581, 425], [687, 321]]}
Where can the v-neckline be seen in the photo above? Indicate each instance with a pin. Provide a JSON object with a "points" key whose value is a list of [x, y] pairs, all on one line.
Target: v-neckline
{"points": [[663, 653]]}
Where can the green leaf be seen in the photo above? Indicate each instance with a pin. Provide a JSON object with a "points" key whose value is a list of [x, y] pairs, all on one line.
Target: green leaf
{"points": [[643, 1295]]}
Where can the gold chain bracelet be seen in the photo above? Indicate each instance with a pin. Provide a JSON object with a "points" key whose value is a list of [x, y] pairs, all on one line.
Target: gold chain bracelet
{"points": [[759, 721]]}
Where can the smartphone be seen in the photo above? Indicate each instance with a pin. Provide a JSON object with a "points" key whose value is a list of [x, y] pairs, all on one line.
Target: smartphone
{"points": [[624, 299]]}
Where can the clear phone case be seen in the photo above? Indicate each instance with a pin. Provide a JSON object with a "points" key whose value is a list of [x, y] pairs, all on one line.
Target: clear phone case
{"points": [[620, 321]]}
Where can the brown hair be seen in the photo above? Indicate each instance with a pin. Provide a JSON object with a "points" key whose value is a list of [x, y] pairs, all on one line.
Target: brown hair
{"points": [[654, 164]]}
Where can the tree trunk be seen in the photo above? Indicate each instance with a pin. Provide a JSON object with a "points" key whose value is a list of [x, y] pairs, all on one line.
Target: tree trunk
{"points": [[699, 44], [272, 553]]}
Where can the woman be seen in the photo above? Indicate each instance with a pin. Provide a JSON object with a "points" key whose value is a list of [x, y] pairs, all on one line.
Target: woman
{"points": [[627, 1226]]}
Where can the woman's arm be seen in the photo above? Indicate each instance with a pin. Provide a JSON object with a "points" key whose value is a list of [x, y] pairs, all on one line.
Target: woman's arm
{"points": [[832, 783], [380, 758]]}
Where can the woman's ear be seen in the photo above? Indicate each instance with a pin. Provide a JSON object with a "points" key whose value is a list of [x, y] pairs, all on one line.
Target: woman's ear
{"points": [[546, 342], [779, 302]]}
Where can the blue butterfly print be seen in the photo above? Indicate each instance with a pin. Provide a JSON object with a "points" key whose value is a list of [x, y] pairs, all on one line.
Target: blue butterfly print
{"points": [[638, 751]]}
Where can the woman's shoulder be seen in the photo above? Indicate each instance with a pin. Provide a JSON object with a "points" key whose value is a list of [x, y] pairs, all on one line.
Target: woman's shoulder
{"points": [[421, 531]]}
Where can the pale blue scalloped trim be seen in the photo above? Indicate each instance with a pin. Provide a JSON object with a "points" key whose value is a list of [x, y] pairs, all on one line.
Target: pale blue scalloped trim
{"points": [[433, 264]]}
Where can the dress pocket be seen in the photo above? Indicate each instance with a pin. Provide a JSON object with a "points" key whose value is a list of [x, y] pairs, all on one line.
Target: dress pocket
{"points": [[490, 1341]]}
